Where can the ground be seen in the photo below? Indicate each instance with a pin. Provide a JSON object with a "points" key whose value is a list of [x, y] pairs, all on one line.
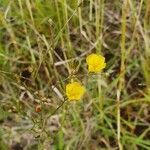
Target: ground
{"points": [[43, 47]]}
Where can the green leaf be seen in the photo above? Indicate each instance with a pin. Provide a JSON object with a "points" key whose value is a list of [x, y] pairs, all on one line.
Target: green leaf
{"points": [[3, 114]]}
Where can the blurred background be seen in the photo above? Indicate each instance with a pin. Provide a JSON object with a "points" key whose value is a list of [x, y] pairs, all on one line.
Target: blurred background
{"points": [[44, 44]]}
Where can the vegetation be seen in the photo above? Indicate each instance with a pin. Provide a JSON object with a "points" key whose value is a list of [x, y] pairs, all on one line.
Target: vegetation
{"points": [[44, 45]]}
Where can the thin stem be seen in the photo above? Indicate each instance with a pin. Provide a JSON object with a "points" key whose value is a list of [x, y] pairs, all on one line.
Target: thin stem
{"points": [[118, 120], [122, 70], [80, 15], [100, 97], [57, 108], [54, 112], [91, 7]]}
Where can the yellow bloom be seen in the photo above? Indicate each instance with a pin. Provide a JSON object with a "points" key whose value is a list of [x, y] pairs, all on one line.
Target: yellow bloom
{"points": [[74, 91], [95, 63]]}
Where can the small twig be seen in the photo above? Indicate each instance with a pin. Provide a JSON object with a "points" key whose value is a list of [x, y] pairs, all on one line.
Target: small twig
{"points": [[45, 120], [118, 120], [57, 108]]}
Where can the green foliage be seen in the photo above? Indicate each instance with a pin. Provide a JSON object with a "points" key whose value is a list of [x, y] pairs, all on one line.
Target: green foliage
{"points": [[3, 146], [44, 44], [3, 114]]}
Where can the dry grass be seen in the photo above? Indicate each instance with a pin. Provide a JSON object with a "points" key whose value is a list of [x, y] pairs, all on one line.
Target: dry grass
{"points": [[44, 44]]}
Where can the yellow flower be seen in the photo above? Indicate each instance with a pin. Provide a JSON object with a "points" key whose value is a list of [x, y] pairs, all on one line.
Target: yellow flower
{"points": [[74, 91], [95, 63]]}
